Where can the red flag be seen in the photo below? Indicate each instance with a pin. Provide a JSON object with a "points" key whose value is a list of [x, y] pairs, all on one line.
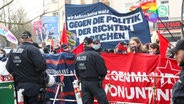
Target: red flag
{"points": [[63, 39], [78, 49], [163, 44]]}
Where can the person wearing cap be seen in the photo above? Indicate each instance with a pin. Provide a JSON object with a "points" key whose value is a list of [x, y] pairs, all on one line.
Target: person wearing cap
{"points": [[97, 45], [48, 49], [178, 88], [91, 70], [121, 47], [62, 48], [28, 67]]}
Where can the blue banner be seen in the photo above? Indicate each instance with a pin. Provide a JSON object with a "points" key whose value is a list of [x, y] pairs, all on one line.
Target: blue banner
{"points": [[49, 27], [102, 22], [61, 63]]}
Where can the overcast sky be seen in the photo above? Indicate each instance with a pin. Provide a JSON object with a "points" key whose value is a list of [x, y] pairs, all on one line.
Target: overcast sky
{"points": [[33, 7]]}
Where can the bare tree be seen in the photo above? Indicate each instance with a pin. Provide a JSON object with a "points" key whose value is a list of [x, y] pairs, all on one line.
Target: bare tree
{"points": [[4, 42], [10, 16], [16, 20], [7, 4], [19, 17]]}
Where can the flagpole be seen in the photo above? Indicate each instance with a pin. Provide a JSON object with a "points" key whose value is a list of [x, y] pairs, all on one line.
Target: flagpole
{"points": [[167, 29], [155, 91]]}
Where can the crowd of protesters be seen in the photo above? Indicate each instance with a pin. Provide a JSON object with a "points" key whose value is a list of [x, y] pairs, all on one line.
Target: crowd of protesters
{"points": [[133, 45], [125, 46]]}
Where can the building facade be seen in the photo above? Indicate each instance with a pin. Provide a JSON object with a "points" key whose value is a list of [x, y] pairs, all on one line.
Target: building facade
{"points": [[169, 12]]}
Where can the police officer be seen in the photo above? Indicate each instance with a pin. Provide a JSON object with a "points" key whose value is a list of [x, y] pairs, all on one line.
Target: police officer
{"points": [[178, 89], [97, 45], [27, 66], [91, 70]]}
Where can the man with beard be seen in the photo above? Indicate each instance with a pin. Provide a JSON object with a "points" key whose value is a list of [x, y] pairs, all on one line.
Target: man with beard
{"points": [[178, 89]]}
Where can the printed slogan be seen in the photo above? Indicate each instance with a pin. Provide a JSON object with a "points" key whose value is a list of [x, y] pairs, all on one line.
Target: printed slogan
{"points": [[106, 24]]}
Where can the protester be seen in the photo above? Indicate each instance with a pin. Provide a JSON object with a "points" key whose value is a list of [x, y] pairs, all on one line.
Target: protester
{"points": [[28, 67], [177, 91], [146, 47], [36, 45], [62, 48], [109, 50], [97, 45], [135, 45], [3, 71], [121, 47], [48, 49], [169, 54], [91, 70], [43, 45], [2, 55], [154, 49]]}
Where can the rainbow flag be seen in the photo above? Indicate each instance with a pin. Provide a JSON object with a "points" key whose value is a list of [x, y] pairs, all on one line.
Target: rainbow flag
{"points": [[149, 8]]}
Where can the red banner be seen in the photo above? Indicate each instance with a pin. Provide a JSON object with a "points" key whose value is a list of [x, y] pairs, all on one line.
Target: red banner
{"points": [[139, 78]]}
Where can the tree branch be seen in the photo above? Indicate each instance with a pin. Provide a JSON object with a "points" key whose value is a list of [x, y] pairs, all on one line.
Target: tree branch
{"points": [[6, 4], [24, 23]]}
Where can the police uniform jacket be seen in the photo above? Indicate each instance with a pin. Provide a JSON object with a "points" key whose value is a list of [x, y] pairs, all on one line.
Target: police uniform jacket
{"points": [[178, 89], [89, 65], [26, 64]]}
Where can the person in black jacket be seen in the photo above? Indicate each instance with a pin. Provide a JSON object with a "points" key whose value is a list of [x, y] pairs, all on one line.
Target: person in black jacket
{"points": [[91, 70], [97, 45], [27, 66], [178, 89]]}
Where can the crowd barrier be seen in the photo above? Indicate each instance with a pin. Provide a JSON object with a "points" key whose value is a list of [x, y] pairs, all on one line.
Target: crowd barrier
{"points": [[7, 85], [109, 86], [122, 77], [59, 86]]}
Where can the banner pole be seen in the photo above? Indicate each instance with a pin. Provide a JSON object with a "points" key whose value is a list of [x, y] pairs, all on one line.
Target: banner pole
{"points": [[154, 91], [167, 30]]}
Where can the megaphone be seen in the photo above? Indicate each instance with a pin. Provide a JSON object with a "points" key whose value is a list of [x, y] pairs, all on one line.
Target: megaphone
{"points": [[51, 80]]}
